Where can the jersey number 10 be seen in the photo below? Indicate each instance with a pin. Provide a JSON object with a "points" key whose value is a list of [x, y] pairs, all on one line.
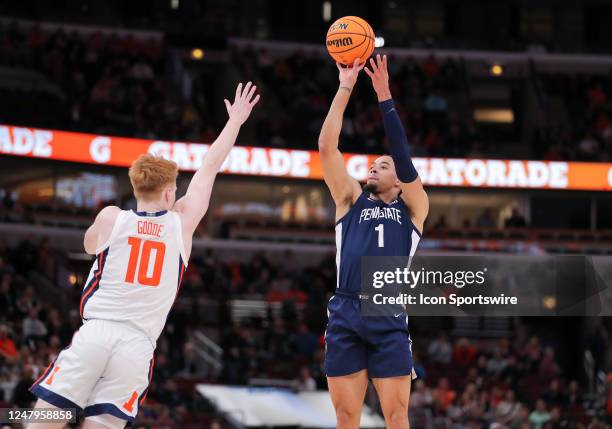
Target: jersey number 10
{"points": [[143, 267]]}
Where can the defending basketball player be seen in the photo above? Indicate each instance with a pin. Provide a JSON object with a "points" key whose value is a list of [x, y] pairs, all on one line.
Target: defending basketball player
{"points": [[357, 347], [141, 256]]}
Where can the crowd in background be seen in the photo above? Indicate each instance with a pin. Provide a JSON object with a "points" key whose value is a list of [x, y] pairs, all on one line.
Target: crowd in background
{"points": [[139, 86], [134, 86], [118, 84], [423, 91], [585, 134], [517, 382]]}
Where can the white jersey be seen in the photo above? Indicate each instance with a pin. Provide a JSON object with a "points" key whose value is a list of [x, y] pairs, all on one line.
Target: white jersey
{"points": [[137, 273]]}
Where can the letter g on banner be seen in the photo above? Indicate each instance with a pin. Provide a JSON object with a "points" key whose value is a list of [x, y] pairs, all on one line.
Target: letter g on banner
{"points": [[357, 167], [100, 149]]}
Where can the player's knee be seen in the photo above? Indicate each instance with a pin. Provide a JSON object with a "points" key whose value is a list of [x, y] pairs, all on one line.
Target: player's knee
{"points": [[397, 417], [347, 416]]}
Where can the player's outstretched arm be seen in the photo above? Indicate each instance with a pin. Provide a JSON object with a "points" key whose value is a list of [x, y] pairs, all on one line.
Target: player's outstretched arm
{"points": [[99, 231], [193, 205], [413, 193], [344, 189]]}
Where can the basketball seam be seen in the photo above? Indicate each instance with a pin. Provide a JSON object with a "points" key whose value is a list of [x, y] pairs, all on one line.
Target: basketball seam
{"points": [[366, 50], [356, 22], [358, 34]]}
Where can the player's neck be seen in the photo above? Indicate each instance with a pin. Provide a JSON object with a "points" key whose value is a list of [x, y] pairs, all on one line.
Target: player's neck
{"points": [[385, 197], [149, 206]]}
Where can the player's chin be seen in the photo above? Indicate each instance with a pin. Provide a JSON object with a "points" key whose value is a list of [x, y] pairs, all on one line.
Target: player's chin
{"points": [[371, 186]]}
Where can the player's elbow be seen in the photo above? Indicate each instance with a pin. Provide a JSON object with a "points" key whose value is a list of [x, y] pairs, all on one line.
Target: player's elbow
{"points": [[327, 146]]}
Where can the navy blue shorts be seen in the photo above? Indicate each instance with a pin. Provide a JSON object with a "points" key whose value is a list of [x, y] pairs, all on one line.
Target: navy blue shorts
{"points": [[379, 344]]}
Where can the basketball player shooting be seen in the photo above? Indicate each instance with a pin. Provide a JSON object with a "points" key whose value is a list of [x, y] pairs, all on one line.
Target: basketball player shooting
{"points": [[382, 219], [141, 256]]}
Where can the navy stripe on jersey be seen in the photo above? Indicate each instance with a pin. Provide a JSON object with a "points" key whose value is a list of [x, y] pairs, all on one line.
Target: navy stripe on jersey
{"points": [[180, 274], [93, 285], [143, 395], [182, 269]]}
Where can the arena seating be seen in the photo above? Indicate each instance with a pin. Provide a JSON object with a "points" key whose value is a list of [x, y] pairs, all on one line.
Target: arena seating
{"points": [[459, 375]]}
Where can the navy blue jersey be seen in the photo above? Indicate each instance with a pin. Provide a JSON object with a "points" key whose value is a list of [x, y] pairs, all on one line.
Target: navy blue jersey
{"points": [[371, 228]]}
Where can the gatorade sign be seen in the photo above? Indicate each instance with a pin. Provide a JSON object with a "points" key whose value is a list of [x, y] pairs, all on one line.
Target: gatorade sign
{"points": [[268, 162]]}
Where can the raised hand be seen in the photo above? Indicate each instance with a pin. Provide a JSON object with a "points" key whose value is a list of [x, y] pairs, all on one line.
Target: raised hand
{"points": [[348, 75], [243, 104], [380, 77]]}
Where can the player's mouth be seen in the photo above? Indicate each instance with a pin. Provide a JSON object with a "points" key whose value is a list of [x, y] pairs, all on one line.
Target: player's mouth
{"points": [[372, 178]]}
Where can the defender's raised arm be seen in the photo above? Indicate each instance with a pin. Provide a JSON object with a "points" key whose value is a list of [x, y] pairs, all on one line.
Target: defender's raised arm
{"points": [[344, 189], [413, 193], [193, 205]]}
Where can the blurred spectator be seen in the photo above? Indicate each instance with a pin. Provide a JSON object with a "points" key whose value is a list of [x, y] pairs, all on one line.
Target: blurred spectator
{"points": [[508, 410], [548, 366], [305, 342], [420, 395], [430, 66], [485, 219], [521, 421], [496, 363], [540, 415], [443, 395], [597, 96], [464, 353], [516, 220], [440, 224], [33, 327], [305, 382], [574, 397], [22, 397], [7, 345], [434, 102], [187, 361], [440, 350], [588, 148], [556, 419]]}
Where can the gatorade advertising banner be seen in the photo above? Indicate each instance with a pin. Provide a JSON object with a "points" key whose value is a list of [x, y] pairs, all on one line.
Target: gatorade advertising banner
{"points": [[303, 164]]}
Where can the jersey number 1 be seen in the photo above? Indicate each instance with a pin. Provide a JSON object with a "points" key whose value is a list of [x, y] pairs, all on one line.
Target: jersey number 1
{"points": [[381, 235], [143, 268]]}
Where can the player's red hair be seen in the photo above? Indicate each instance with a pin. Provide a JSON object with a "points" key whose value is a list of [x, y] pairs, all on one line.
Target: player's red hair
{"points": [[150, 174]]}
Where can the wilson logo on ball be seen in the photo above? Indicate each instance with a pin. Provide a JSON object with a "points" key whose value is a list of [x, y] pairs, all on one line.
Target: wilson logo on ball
{"points": [[340, 26], [345, 41]]}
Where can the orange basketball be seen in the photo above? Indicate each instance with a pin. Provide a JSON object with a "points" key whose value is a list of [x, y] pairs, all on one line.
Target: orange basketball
{"points": [[348, 38]]}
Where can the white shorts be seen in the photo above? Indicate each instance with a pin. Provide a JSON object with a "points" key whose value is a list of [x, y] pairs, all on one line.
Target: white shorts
{"points": [[106, 370]]}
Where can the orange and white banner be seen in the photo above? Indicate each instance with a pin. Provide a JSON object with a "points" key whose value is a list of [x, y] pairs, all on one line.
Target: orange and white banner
{"points": [[257, 161]]}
